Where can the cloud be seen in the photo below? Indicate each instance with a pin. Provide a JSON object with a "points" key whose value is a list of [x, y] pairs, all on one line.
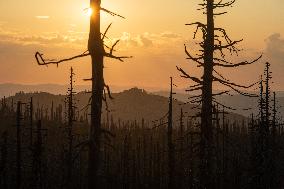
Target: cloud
{"points": [[145, 41], [275, 47], [42, 17], [70, 39], [148, 40], [170, 35]]}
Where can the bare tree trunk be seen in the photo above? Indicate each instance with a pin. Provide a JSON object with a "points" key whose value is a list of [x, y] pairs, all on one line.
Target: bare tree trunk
{"points": [[95, 47], [3, 163], [31, 121], [180, 179], [70, 133], [171, 151], [206, 171], [37, 161], [19, 144]]}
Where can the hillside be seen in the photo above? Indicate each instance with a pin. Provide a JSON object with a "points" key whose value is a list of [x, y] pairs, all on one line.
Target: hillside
{"points": [[9, 89], [244, 106], [129, 105]]}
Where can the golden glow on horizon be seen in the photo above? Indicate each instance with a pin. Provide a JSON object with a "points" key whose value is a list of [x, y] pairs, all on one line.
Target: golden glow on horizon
{"points": [[144, 36]]}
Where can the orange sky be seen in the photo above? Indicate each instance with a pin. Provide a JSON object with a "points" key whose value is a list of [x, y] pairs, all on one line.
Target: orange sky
{"points": [[154, 33]]}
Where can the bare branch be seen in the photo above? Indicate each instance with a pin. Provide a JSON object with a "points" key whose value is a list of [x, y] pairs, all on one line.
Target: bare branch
{"points": [[221, 4], [221, 13], [193, 58], [230, 108], [185, 75], [221, 93], [111, 50], [110, 54], [234, 84], [237, 64], [111, 13], [41, 61], [199, 25], [220, 47], [193, 89], [120, 58], [108, 91], [104, 35], [240, 92]]}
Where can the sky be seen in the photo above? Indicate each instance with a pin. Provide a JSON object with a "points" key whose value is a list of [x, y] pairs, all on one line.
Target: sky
{"points": [[153, 32]]}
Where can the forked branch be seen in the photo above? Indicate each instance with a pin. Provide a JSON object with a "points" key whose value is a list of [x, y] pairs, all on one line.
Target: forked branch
{"points": [[41, 61]]}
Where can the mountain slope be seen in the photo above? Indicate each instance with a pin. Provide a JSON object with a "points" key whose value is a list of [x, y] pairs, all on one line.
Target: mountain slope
{"points": [[244, 106], [129, 105]]}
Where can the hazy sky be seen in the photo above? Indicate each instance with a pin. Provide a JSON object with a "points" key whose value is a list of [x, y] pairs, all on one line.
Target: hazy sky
{"points": [[154, 33]]}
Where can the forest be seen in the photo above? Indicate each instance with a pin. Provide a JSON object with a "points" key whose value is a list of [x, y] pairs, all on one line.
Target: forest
{"points": [[97, 139]]}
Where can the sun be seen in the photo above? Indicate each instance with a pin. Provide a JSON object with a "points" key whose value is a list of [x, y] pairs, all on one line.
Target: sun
{"points": [[89, 12]]}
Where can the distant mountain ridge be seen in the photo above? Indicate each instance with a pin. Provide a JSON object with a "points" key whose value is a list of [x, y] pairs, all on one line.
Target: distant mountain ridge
{"points": [[237, 101], [129, 105], [244, 106], [10, 89]]}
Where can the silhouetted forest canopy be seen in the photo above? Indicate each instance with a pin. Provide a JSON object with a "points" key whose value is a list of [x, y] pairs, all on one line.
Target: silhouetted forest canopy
{"points": [[202, 139]]}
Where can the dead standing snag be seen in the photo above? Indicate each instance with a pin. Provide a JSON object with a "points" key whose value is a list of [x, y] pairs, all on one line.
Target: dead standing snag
{"points": [[215, 41], [96, 49]]}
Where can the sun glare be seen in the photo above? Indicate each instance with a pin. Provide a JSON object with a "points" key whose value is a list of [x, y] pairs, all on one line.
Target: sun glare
{"points": [[89, 11]]}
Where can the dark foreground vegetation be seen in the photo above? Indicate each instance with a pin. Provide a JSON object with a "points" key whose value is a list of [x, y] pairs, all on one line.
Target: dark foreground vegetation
{"points": [[48, 148]]}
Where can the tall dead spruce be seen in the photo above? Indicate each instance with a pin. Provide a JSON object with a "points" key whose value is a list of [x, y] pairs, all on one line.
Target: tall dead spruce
{"points": [[171, 150], [96, 49], [71, 119], [214, 45], [19, 119]]}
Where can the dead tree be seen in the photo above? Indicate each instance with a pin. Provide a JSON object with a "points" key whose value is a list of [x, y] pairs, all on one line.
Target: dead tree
{"points": [[3, 162], [37, 158], [31, 121], [267, 97], [96, 49], [171, 150], [274, 146], [19, 146], [263, 149], [52, 111], [180, 150], [214, 41], [266, 148], [71, 119]]}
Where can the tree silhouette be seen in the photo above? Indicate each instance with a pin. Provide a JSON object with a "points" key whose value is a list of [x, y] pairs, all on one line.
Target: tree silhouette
{"points": [[38, 177], [214, 45], [3, 162], [266, 173], [71, 119], [171, 149], [19, 118], [96, 49]]}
